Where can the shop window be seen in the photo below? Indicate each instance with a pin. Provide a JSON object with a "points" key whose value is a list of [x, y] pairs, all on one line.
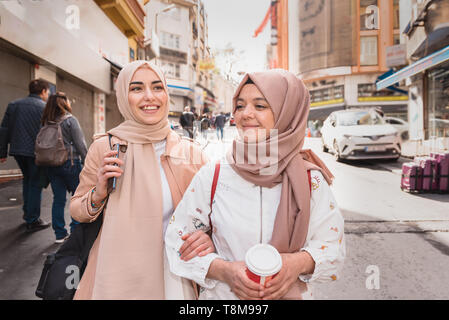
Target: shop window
{"points": [[438, 101], [369, 92], [327, 96], [368, 51]]}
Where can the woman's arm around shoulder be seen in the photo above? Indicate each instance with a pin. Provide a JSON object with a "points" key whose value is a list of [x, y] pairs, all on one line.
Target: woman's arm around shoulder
{"points": [[191, 214]]}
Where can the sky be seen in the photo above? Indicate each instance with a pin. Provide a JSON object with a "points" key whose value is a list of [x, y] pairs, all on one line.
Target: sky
{"points": [[234, 21]]}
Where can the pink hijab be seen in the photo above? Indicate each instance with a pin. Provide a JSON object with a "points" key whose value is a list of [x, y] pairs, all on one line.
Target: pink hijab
{"points": [[290, 103], [130, 255]]}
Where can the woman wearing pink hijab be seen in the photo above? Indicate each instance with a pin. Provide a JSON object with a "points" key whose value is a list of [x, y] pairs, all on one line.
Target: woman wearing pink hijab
{"points": [[152, 171], [263, 195]]}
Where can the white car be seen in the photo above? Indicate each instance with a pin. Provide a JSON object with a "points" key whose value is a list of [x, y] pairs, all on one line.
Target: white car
{"points": [[360, 134], [400, 125]]}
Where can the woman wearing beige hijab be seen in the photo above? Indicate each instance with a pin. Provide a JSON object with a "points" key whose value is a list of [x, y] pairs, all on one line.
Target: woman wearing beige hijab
{"points": [[152, 171], [269, 191]]}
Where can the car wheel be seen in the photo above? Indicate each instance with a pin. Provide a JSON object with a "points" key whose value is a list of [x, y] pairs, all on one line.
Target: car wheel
{"points": [[325, 149], [336, 152]]}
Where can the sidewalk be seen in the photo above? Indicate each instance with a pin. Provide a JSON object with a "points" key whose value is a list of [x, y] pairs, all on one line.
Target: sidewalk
{"points": [[22, 254]]}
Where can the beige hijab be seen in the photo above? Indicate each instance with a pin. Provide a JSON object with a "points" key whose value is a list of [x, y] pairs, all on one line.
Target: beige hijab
{"points": [[289, 100], [133, 217]]}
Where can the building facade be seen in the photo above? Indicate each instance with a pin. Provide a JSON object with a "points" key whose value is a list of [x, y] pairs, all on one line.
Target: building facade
{"points": [[338, 47], [176, 33], [425, 34], [77, 46]]}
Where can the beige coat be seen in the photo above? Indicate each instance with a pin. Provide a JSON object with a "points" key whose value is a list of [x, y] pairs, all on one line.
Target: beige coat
{"points": [[181, 160]]}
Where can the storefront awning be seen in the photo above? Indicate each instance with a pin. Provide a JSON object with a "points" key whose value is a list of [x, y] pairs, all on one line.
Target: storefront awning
{"points": [[417, 67]]}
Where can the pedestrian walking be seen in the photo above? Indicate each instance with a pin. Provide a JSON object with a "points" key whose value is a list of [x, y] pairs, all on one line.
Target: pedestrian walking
{"points": [[220, 121], [19, 128], [152, 167], [186, 120], [64, 178], [205, 124], [286, 203]]}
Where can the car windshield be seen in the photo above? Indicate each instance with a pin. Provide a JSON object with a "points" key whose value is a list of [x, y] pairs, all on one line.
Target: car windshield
{"points": [[355, 118]]}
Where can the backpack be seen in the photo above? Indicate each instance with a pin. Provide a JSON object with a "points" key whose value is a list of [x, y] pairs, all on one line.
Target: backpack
{"points": [[49, 148]]}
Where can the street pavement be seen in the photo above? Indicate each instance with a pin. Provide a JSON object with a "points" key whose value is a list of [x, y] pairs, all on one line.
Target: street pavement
{"points": [[397, 243]]}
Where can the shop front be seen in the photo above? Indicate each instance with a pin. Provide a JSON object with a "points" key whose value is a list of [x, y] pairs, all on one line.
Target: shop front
{"points": [[438, 102]]}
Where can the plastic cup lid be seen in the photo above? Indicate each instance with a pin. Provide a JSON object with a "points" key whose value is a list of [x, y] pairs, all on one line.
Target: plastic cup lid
{"points": [[263, 260]]}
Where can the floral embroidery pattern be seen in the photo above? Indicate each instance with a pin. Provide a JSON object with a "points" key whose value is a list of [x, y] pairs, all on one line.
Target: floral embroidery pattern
{"points": [[199, 210], [334, 229], [198, 224], [323, 247], [172, 219], [316, 184], [333, 277], [331, 206]]}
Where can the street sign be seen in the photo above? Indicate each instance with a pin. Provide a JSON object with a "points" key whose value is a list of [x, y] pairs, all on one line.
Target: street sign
{"points": [[396, 55]]}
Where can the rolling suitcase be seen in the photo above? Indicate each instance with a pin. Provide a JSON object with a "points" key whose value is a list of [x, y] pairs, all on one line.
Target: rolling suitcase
{"points": [[442, 160], [429, 175], [411, 180]]}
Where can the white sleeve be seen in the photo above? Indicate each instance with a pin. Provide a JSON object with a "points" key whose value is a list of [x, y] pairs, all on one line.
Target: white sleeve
{"points": [[326, 241], [190, 215]]}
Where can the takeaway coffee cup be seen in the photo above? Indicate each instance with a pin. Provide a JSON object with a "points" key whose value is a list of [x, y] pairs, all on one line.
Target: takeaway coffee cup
{"points": [[263, 263]]}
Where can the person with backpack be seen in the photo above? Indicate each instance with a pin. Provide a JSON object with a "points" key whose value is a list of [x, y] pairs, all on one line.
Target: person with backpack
{"points": [[60, 145], [19, 128], [248, 198]]}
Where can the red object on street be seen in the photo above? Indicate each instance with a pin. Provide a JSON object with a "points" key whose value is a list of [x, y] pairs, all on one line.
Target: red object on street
{"points": [[411, 180], [442, 160], [429, 173]]}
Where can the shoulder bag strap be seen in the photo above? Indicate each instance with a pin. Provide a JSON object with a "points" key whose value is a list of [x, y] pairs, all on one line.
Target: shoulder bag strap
{"points": [[212, 193], [310, 181], [92, 229]]}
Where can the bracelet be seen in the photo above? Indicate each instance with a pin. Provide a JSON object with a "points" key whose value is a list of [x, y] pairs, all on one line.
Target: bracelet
{"points": [[94, 206]]}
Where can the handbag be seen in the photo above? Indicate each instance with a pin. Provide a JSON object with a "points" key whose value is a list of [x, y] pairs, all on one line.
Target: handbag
{"points": [[63, 269]]}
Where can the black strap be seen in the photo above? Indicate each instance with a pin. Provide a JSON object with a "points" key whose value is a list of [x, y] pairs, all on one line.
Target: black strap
{"points": [[92, 229]]}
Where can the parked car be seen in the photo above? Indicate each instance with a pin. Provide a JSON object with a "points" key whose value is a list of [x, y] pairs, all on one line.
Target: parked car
{"points": [[232, 121], [360, 134], [400, 125]]}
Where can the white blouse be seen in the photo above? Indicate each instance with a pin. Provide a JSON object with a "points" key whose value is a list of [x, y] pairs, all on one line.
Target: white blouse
{"points": [[243, 215], [167, 201], [176, 288]]}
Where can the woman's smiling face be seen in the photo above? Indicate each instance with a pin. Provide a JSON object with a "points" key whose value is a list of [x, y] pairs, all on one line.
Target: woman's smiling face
{"points": [[253, 115], [147, 97]]}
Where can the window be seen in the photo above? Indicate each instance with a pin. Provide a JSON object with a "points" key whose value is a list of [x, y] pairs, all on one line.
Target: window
{"points": [[170, 40], [369, 92], [327, 95], [368, 51], [367, 18], [396, 14], [396, 39], [171, 70], [438, 102]]}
